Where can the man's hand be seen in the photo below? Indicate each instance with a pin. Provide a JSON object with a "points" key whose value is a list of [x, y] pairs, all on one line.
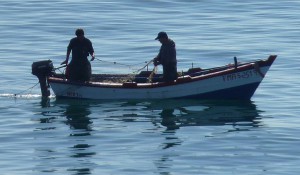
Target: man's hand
{"points": [[93, 57], [155, 61]]}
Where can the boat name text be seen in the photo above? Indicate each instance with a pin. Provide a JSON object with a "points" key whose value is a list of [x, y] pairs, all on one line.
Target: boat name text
{"points": [[73, 94], [239, 75]]}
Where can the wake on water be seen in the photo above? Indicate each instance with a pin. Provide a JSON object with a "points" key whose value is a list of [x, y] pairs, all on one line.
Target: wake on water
{"points": [[21, 95]]}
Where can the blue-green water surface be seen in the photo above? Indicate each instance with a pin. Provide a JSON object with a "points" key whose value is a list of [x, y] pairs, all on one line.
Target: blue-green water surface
{"points": [[167, 137]]}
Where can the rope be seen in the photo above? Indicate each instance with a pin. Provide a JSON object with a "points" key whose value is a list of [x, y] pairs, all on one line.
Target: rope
{"points": [[60, 67], [113, 62], [62, 72], [152, 74], [127, 65], [144, 66], [26, 89], [257, 69]]}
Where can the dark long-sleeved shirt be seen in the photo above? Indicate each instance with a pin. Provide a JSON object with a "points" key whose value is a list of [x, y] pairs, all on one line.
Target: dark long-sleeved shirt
{"points": [[167, 54], [81, 48]]}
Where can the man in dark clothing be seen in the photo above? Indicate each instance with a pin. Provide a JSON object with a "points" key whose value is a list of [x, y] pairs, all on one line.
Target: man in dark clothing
{"points": [[79, 68], [167, 57]]}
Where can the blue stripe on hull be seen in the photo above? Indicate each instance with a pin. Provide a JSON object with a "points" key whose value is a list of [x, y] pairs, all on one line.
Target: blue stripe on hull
{"points": [[244, 92]]}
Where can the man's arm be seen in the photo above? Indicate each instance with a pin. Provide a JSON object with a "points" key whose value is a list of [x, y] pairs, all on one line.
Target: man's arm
{"points": [[67, 57], [156, 60], [68, 53], [91, 50]]}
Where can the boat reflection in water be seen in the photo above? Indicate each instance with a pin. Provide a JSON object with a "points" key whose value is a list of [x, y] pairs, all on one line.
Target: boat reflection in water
{"points": [[171, 114], [169, 121], [168, 116], [207, 113], [176, 114], [213, 120], [77, 117]]}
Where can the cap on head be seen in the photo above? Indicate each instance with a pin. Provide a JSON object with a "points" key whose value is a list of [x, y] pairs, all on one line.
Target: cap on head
{"points": [[161, 35], [79, 32]]}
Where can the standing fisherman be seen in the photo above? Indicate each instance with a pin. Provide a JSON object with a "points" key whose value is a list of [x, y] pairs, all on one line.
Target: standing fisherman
{"points": [[166, 57], [79, 68]]}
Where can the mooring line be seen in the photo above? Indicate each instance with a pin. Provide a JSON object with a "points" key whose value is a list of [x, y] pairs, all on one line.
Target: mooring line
{"points": [[26, 89]]}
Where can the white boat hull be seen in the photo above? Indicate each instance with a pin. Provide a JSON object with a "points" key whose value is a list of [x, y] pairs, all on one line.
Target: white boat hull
{"points": [[232, 83]]}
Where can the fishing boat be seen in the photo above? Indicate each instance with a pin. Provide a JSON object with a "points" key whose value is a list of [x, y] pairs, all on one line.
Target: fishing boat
{"points": [[232, 81]]}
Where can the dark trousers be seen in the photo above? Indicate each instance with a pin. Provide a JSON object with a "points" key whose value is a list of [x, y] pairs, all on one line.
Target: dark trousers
{"points": [[80, 71], [170, 72]]}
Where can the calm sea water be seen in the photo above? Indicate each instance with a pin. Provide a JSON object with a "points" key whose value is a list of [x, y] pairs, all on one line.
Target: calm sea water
{"points": [[166, 137]]}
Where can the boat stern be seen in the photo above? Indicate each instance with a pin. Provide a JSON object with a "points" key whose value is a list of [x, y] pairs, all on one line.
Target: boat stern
{"points": [[42, 70]]}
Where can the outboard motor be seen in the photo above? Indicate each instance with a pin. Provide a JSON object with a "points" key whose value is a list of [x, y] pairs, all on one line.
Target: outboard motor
{"points": [[43, 69]]}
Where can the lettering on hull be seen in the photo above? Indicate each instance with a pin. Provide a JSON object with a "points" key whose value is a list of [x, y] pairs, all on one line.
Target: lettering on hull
{"points": [[73, 94], [240, 75]]}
